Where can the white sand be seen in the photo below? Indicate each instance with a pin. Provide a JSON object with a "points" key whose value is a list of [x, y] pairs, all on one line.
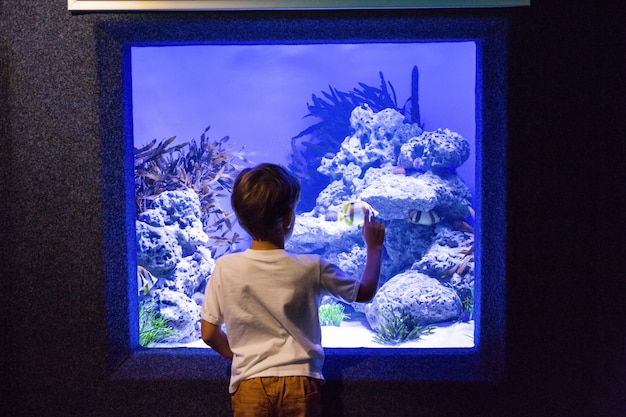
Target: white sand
{"points": [[352, 334], [444, 335]]}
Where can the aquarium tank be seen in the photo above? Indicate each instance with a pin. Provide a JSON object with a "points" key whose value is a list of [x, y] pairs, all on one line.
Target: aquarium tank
{"points": [[390, 126]]}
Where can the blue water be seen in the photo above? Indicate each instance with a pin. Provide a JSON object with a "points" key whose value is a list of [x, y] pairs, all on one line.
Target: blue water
{"points": [[258, 94]]}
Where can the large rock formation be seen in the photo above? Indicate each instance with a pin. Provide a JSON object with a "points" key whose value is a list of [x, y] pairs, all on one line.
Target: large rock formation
{"points": [[409, 177], [172, 246]]}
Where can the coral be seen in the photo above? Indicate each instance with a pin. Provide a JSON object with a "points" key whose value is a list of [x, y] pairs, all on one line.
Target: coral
{"points": [[181, 228], [206, 167], [396, 196], [182, 313], [333, 111], [192, 272], [332, 314], [172, 245], [170, 231], [158, 249], [354, 175], [442, 149], [372, 144], [426, 299], [387, 161], [398, 327], [153, 327], [467, 247]]}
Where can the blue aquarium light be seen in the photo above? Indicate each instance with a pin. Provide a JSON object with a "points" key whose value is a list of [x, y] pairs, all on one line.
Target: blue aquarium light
{"points": [[409, 118]]}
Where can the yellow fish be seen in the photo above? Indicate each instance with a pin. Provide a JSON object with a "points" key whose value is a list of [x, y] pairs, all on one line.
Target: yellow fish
{"points": [[145, 280], [425, 218], [354, 213]]}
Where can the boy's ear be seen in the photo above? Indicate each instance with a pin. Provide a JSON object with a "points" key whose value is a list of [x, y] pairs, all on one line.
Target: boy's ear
{"points": [[288, 219]]}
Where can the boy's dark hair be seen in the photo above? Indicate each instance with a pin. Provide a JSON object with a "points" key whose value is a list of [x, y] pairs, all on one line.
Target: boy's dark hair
{"points": [[262, 196]]}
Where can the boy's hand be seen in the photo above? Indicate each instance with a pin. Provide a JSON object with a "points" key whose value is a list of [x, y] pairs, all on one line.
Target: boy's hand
{"points": [[374, 236], [373, 232]]}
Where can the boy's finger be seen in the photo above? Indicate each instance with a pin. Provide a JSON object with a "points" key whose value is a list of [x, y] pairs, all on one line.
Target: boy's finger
{"points": [[366, 216]]}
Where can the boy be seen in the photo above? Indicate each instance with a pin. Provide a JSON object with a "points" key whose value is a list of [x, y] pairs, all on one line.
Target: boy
{"points": [[269, 299]]}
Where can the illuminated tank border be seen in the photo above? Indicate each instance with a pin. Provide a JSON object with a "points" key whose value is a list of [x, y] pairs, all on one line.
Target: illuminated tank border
{"points": [[127, 360]]}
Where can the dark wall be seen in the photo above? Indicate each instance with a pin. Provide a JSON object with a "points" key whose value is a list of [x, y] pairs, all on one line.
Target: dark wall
{"points": [[565, 245]]}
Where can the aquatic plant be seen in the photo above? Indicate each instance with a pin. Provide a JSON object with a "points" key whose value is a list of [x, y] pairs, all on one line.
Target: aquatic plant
{"points": [[206, 167], [332, 314], [398, 327], [468, 305], [153, 327], [334, 110]]}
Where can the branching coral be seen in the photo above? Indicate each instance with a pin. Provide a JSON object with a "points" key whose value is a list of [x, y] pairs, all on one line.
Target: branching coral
{"points": [[205, 167]]}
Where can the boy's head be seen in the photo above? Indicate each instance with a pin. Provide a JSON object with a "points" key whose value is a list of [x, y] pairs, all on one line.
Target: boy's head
{"points": [[263, 197]]}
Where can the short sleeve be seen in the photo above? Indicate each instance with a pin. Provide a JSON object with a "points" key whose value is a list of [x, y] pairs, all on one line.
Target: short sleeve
{"points": [[211, 310], [338, 283]]}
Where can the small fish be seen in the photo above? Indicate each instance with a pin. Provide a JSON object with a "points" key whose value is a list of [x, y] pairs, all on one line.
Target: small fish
{"points": [[418, 164], [471, 210], [462, 226], [425, 218], [145, 280], [398, 170], [354, 213]]}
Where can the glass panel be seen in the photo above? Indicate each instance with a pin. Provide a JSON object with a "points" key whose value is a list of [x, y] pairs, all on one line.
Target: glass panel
{"points": [[389, 124]]}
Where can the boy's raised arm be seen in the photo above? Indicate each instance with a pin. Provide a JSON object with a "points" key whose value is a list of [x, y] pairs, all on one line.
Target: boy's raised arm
{"points": [[374, 236]]}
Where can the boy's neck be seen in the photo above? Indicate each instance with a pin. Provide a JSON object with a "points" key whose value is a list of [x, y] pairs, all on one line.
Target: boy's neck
{"points": [[266, 245]]}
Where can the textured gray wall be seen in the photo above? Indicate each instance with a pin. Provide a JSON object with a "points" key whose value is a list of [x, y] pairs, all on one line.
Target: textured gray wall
{"points": [[565, 248], [50, 136]]}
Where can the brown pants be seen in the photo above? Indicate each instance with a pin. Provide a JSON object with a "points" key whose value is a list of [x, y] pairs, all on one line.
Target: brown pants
{"points": [[287, 396]]}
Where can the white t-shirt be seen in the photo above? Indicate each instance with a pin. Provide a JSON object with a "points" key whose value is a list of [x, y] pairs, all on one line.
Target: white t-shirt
{"points": [[269, 301]]}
